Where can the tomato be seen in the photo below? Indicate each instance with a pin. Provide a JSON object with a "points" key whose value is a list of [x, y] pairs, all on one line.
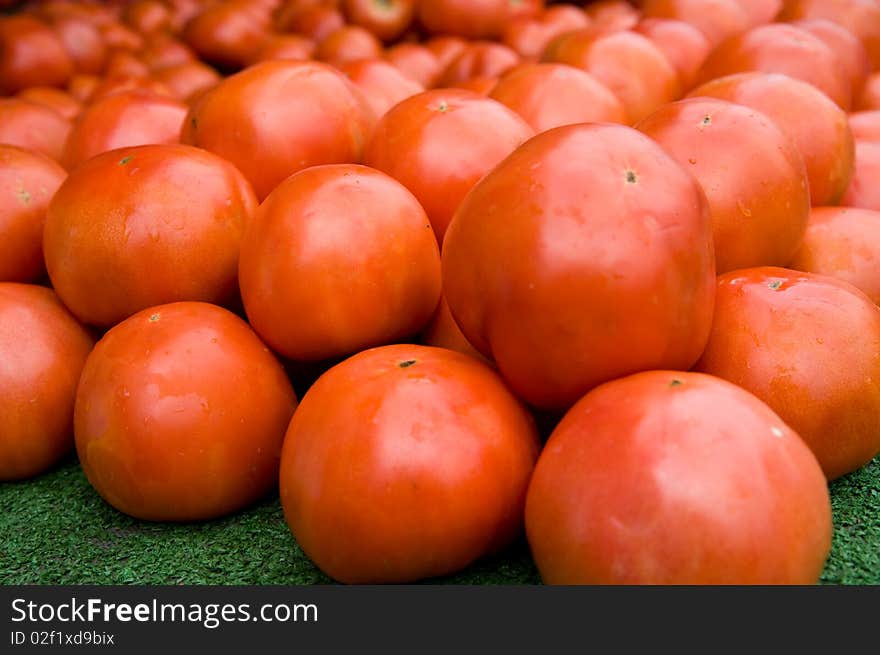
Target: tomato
{"points": [[348, 43], [478, 59], [439, 143], [126, 83], [297, 260], [180, 414], [187, 81], [865, 125], [473, 19], [612, 15], [716, 19], [56, 99], [284, 46], [315, 22], [32, 126], [753, 175], [83, 42], [446, 48], [761, 11], [28, 180], [869, 98], [443, 332], [550, 95], [683, 44], [629, 64], [528, 36], [382, 84], [42, 350], [123, 119], [415, 61], [279, 117], [864, 190], [173, 211], [843, 242], [31, 54], [808, 346], [387, 19], [226, 34], [677, 478], [161, 51], [781, 48], [817, 126], [850, 52], [147, 16], [385, 457], [123, 63], [585, 255], [119, 37], [81, 86]]}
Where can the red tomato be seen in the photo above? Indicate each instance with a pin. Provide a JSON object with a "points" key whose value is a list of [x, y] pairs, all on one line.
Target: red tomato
{"points": [[781, 48], [385, 457], [83, 42], [583, 256], [279, 117], [381, 83], [679, 479], [473, 19], [147, 16], [123, 84], [316, 22], [629, 64], [851, 54], [119, 37], [43, 350], [31, 54], [478, 59], [174, 211], [56, 99], [439, 143], [387, 19], [612, 15], [123, 63], [761, 11], [415, 61], [869, 98], [716, 19], [443, 332], [180, 414], [865, 125], [550, 95], [808, 346], [817, 126], [298, 260], [162, 51], [28, 180], [123, 119], [348, 43], [32, 126], [446, 48], [843, 242], [864, 187], [187, 81], [529, 36], [81, 86], [683, 44], [226, 34], [285, 46], [753, 175]]}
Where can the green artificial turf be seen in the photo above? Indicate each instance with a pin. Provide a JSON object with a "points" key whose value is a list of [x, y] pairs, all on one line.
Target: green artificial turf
{"points": [[56, 530]]}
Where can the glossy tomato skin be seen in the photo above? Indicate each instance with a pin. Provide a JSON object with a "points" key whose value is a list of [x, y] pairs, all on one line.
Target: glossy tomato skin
{"points": [[43, 350], [684, 45], [83, 42], [279, 117], [439, 143], [753, 175], [33, 126], [31, 54], [339, 258], [809, 346], [478, 59], [716, 19], [56, 99], [226, 34], [187, 81], [166, 226], [28, 180], [180, 414], [818, 127], [864, 190], [443, 332], [385, 456], [676, 478], [381, 84], [348, 43], [843, 242], [585, 255]]}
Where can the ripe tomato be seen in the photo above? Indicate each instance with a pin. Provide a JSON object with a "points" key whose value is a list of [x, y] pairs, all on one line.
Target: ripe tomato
{"points": [[761, 11], [180, 414], [81, 86], [187, 81], [781, 48], [683, 44], [550, 95], [478, 59], [348, 43], [162, 50], [808, 346], [415, 61], [864, 189], [310, 292], [28, 180], [850, 52], [387, 19], [112, 85], [284, 46], [279, 117], [443, 332], [83, 42], [612, 15], [869, 98], [439, 143], [716, 19], [123, 119], [119, 37], [583, 256], [473, 19], [166, 226], [843, 242], [42, 350], [446, 48], [56, 99], [122, 63], [817, 126], [314, 22], [529, 36], [31, 54], [753, 175], [865, 125], [382, 85], [677, 478], [32, 126], [147, 16], [385, 457], [226, 34]]}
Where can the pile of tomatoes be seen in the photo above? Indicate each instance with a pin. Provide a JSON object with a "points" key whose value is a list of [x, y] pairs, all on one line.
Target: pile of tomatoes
{"points": [[441, 272]]}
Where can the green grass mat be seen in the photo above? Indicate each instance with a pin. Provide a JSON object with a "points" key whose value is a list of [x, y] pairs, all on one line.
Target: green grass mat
{"points": [[56, 530]]}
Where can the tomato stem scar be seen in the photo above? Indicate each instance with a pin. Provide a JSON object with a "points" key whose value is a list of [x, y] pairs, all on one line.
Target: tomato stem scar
{"points": [[407, 363]]}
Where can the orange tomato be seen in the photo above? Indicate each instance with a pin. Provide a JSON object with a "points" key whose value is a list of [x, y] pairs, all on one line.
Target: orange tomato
{"points": [[864, 187], [33, 126]]}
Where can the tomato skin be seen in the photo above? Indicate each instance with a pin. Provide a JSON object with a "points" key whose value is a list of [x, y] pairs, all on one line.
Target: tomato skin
{"points": [[865, 125], [415, 61], [382, 85], [585, 255], [473, 19], [279, 117], [348, 43], [863, 190], [385, 456], [443, 332], [676, 478], [31, 54], [478, 59], [843, 242], [173, 210], [180, 414], [809, 346], [121, 120], [850, 52], [818, 127], [28, 180], [869, 98], [716, 19], [309, 293], [56, 99], [528, 36], [753, 175], [439, 143], [32, 126], [43, 350], [187, 81], [682, 43], [387, 19], [83, 42], [226, 34], [284, 46]]}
